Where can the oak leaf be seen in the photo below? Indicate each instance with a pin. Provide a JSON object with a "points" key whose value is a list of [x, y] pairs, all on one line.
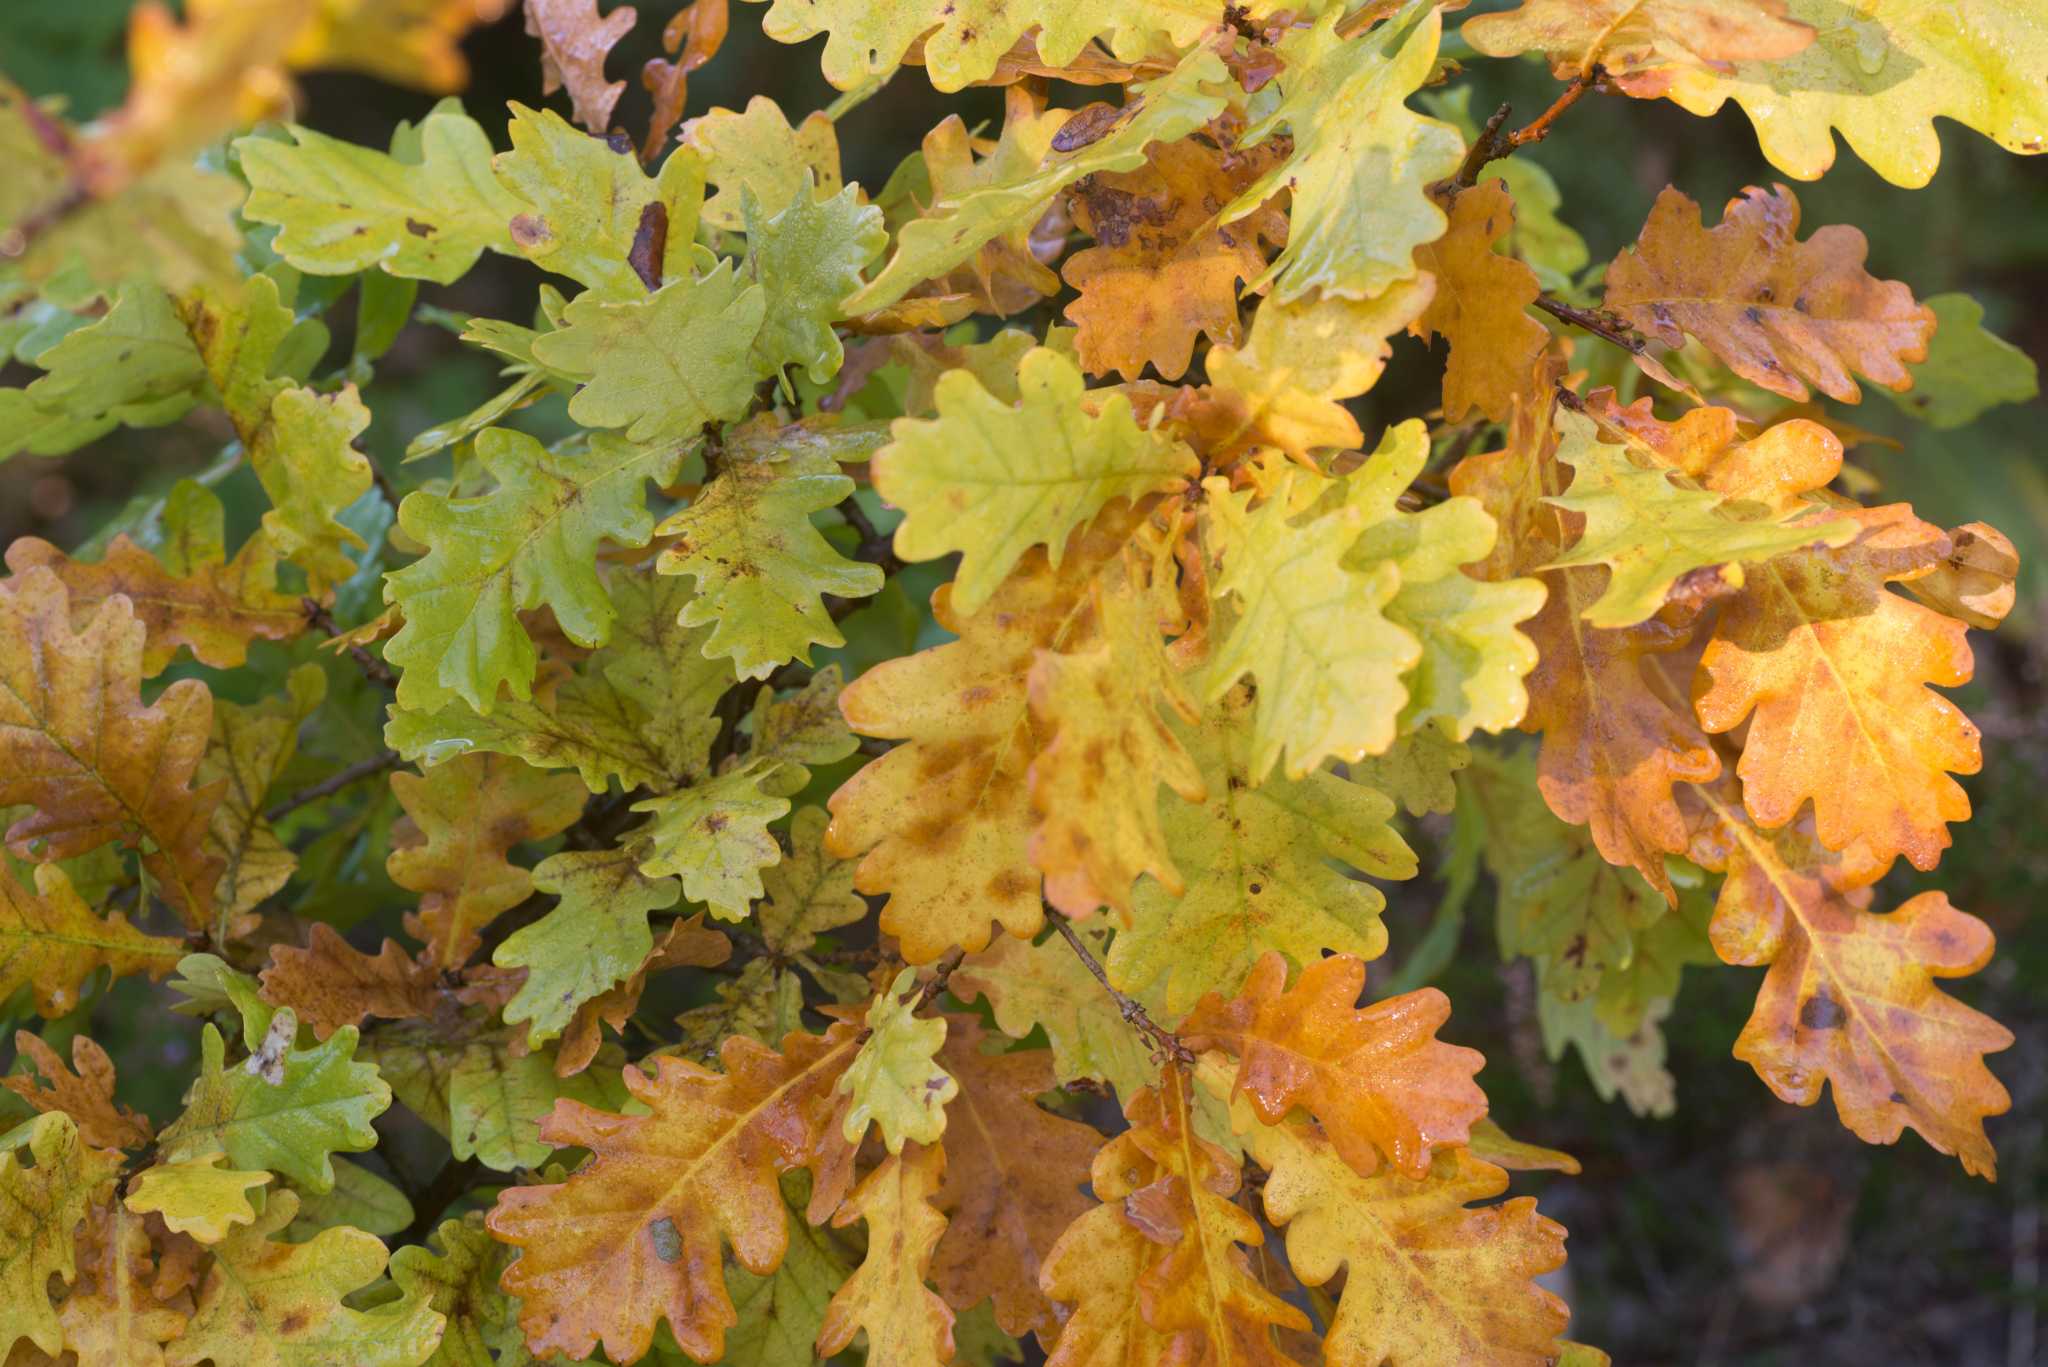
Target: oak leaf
{"points": [[1163, 272], [289, 1119], [715, 836], [895, 1080], [1013, 1177], [214, 606], [124, 1307], [463, 818], [1480, 305], [1377, 1078], [1832, 672], [42, 1206], [98, 766], [808, 257], [85, 1091], [1881, 74], [1095, 784], [459, 1282], [330, 983], [1851, 998], [51, 941], [885, 1297], [761, 569], [1779, 312], [943, 821], [1427, 1278], [273, 1304], [1257, 855], [1640, 45], [1046, 986], [574, 41], [635, 1235], [196, 1197], [1361, 162], [756, 151], [992, 480], [1156, 1273]]}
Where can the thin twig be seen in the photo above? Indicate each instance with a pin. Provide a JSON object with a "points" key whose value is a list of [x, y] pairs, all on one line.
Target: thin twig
{"points": [[1164, 1040], [334, 783], [1596, 321], [1492, 144], [936, 984]]}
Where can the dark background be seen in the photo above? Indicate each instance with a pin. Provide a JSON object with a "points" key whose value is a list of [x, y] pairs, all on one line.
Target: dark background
{"points": [[1738, 1230]]}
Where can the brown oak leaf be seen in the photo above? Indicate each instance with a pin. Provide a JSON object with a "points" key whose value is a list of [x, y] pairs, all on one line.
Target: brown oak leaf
{"points": [[77, 744], [574, 41], [331, 983], [1014, 1172], [86, 1094], [1779, 312]]}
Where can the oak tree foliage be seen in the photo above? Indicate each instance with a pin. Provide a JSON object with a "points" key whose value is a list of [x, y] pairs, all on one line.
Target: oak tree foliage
{"points": [[790, 972]]}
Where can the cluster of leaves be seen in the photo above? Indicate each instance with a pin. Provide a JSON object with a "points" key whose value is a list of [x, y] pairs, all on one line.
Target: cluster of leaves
{"points": [[660, 721]]}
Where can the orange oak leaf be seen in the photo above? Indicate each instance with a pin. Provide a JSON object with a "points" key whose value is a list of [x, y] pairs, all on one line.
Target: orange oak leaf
{"points": [[1613, 747], [86, 1095], [1163, 271], [944, 820], [462, 817], [1832, 673], [119, 1312], [1096, 783], [1976, 582], [1851, 997], [1779, 312], [698, 29], [331, 983], [574, 41], [886, 1296], [215, 606], [1480, 305], [1013, 1179], [1156, 1274], [687, 944], [635, 1235], [1377, 1078], [77, 744]]}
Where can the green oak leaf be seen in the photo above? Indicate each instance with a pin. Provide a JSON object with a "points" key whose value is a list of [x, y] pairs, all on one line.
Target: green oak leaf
{"points": [[991, 479], [596, 936], [591, 206], [1968, 370], [1363, 161], [305, 458], [761, 568], [43, 1205], [715, 836], [664, 364], [459, 1282], [756, 151], [530, 542], [895, 1080], [360, 1199], [1651, 532], [1257, 859], [809, 892], [340, 208], [135, 367], [807, 258], [323, 1103]]}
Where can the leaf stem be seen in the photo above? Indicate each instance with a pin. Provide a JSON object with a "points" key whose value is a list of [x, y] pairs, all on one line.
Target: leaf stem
{"points": [[374, 669], [1163, 1040]]}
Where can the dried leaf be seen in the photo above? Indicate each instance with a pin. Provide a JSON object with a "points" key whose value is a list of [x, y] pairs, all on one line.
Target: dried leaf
{"points": [[330, 983], [86, 1095], [574, 41]]}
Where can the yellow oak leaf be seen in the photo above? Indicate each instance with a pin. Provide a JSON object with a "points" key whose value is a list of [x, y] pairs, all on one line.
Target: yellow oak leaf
{"points": [[885, 1297], [196, 1197], [1641, 45], [51, 941]]}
